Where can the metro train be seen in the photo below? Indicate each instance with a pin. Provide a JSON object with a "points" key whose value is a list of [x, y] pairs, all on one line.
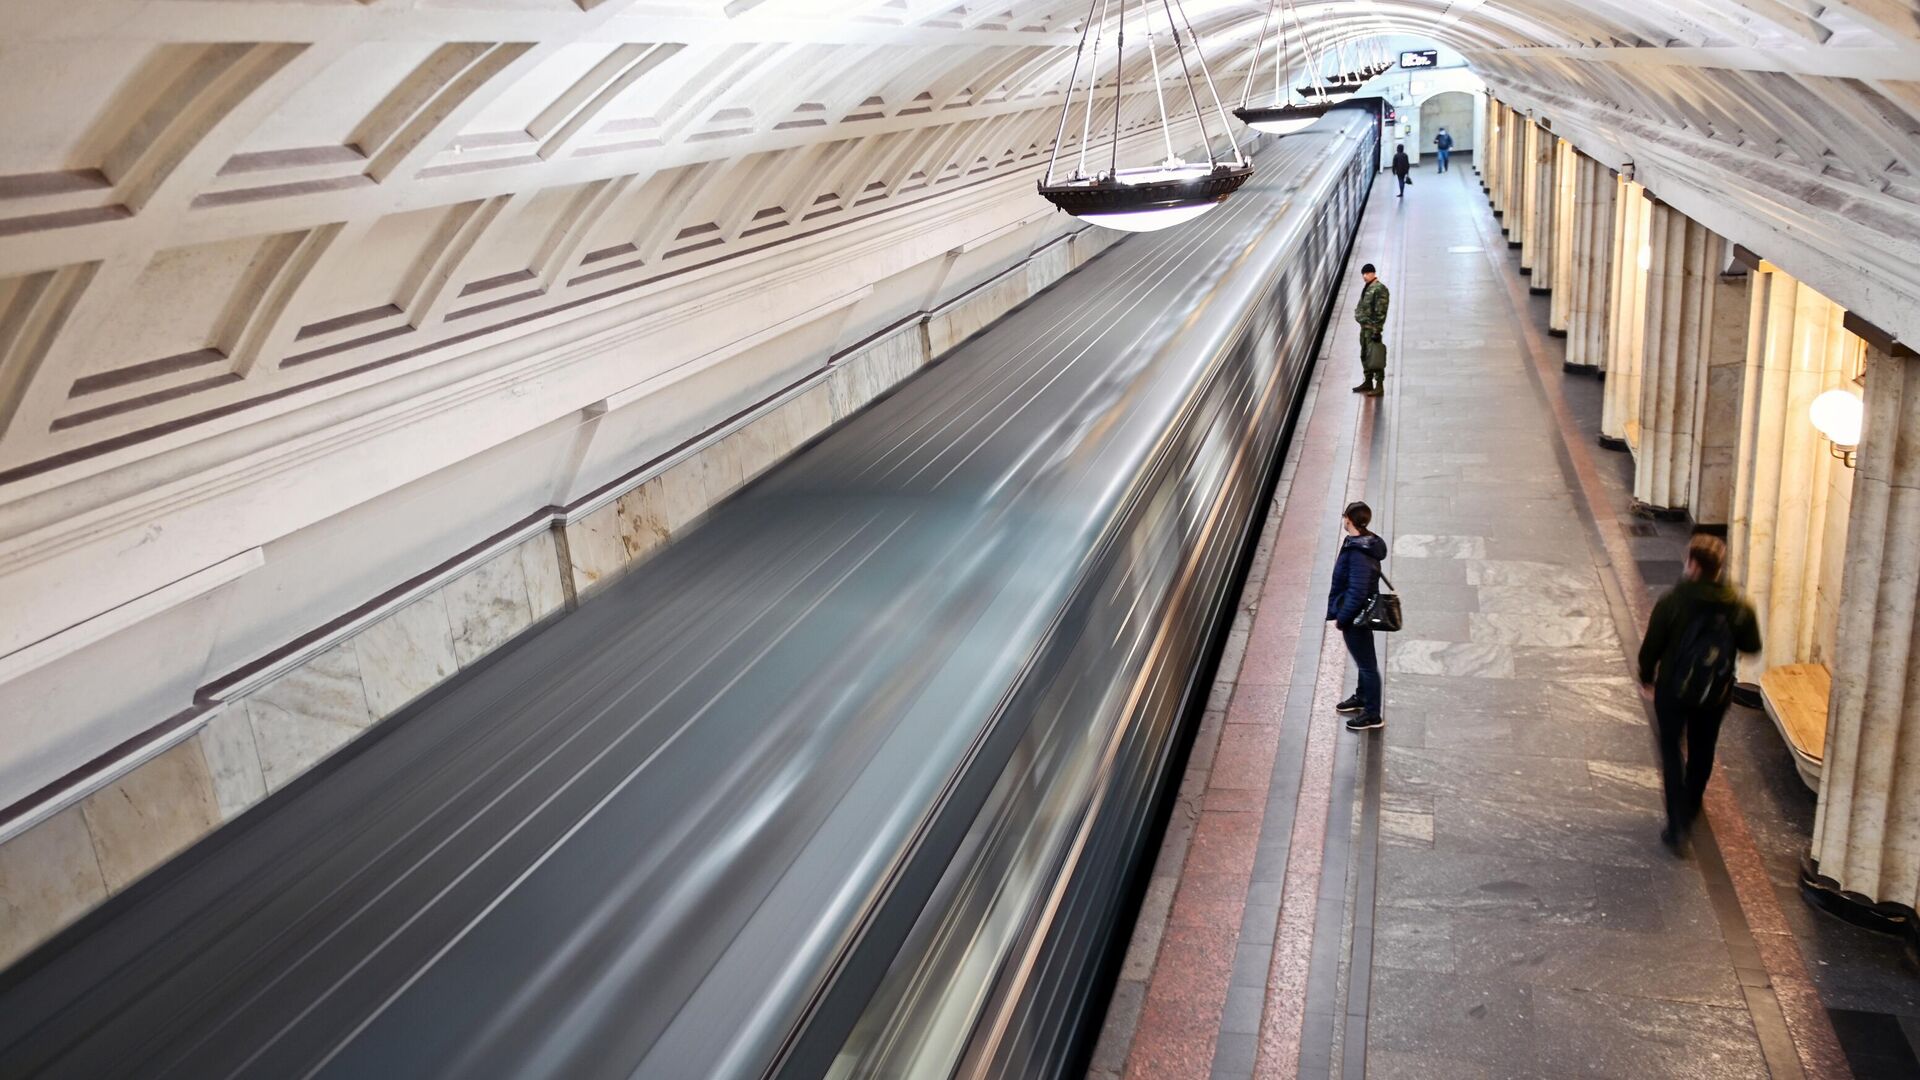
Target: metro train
{"points": [[855, 779]]}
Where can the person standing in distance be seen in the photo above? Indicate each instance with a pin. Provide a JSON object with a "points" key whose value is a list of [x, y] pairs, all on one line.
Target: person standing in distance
{"points": [[1371, 314], [1686, 670], [1401, 167], [1356, 580], [1443, 143]]}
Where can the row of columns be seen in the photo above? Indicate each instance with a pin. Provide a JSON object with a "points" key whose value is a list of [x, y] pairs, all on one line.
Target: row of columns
{"points": [[1710, 363]]}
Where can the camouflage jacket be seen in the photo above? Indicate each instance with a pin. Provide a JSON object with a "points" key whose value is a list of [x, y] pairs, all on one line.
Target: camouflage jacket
{"points": [[1371, 313]]}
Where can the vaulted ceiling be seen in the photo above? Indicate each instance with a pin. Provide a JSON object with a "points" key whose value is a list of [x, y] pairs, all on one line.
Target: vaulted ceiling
{"points": [[214, 212]]}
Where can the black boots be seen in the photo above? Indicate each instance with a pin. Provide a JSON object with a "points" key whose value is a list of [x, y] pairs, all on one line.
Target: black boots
{"points": [[1371, 385]]}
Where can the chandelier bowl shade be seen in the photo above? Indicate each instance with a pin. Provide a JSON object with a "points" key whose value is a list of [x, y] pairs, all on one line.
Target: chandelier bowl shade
{"points": [[1281, 119], [1145, 199]]}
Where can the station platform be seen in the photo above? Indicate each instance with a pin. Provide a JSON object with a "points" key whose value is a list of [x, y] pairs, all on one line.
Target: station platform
{"points": [[1478, 889]]}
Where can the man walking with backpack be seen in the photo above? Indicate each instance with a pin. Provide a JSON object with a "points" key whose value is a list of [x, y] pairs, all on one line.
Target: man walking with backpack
{"points": [[1686, 670]]}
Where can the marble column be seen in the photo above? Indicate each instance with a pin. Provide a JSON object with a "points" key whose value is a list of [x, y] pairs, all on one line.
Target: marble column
{"points": [[1789, 520], [1565, 167], [1496, 173], [1524, 237], [1678, 318], [1536, 254], [1866, 833], [1719, 425], [1514, 157], [1626, 323], [1592, 265]]}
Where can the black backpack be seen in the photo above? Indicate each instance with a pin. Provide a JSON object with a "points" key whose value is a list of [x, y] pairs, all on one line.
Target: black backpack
{"points": [[1699, 667]]}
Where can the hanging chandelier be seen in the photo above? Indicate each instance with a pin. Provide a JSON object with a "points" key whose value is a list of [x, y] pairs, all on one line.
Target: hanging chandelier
{"points": [[1151, 197], [1285, 116], [1350, 77]]}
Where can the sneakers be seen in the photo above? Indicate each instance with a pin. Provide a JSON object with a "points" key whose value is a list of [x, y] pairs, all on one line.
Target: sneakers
{"points": [[1351, 705], [1366, 723]]}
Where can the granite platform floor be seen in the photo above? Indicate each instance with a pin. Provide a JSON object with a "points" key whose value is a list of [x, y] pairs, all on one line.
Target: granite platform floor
{"points": [[1478, 889]]}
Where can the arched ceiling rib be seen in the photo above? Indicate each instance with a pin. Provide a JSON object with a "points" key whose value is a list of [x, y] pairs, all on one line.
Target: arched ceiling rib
{"points": [[214, 211]]}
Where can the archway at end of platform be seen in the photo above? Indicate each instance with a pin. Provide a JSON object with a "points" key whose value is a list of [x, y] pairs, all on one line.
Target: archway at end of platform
{"points": [[1450, 109]]}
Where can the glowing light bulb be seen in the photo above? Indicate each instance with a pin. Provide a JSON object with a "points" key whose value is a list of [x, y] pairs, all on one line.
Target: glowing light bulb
{"points": [[1838, 415]]}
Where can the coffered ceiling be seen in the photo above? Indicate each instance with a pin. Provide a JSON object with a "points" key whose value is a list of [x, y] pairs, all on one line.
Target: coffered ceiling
{"points": [[216, 212]]}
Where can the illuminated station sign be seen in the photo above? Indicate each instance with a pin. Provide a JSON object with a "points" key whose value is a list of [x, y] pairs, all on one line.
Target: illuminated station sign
{"points": [[1420, 58]]}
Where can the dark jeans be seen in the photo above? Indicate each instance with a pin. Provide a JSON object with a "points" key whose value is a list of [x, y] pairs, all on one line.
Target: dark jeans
{"points": [[1360, 647], [1443, 159], [1686, 783], [1402, 177]]}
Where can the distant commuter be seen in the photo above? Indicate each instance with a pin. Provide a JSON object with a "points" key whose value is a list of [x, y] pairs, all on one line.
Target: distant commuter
{"points": [[1443, 143], [1356, 579], [1371, 314], [1401, 167], [1686, 670]]}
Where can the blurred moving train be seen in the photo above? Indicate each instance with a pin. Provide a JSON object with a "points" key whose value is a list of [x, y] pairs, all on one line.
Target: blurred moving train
{"points": [[854, 780]]}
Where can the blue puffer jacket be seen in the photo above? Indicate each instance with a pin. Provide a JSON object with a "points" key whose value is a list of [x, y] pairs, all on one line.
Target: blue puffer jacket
{"points": [[1356, 577]]}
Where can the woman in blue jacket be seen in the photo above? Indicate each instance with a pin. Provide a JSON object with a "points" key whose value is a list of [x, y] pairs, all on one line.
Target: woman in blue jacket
{"points": [[1356, 578]]}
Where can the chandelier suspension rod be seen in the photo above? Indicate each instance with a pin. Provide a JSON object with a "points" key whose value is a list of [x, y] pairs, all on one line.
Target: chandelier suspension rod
{"points": [[1166, 129], [1174, 29], [1282, 95], [1119, 81], [1093, 84], [1253, 69], [1066, 106]]}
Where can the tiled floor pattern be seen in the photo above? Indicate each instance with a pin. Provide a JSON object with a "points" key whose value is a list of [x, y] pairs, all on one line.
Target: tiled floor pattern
{"points": [[1525, 921]]}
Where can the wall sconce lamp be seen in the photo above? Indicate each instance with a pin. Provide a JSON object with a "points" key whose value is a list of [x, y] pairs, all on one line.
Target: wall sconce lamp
{"points": [[1837, 415]]}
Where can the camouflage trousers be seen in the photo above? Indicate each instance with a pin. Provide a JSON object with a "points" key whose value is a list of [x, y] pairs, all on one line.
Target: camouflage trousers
{"points": [[1373, 352]]}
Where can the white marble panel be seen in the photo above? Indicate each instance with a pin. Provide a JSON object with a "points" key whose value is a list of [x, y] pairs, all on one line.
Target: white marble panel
{"points": [[810, 414], [1419, 657], [1520, 572], [305, 714], [1049, 266], [232, 761], [540, 565], [1559, 598], [642, 519], [595, 548], [1552, 631], [326, 688], [1426, 546], [406, 654], [49, 876], [720, 470], [760, 444], [487, 606], [143, 818], [954, 324]]}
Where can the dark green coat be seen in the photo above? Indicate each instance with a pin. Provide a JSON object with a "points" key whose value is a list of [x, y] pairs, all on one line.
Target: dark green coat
{"points": [[1371, 313]]}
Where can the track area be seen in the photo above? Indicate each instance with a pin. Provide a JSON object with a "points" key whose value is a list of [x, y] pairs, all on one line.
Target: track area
{"points": [[849, 781]]}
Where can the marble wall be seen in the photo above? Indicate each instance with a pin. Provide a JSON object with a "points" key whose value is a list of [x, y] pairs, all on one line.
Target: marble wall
{"points": [[270, 734]]}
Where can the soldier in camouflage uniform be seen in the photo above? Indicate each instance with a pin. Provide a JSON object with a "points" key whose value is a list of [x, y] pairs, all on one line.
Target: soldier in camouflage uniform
{"points": [[1371, 314]]}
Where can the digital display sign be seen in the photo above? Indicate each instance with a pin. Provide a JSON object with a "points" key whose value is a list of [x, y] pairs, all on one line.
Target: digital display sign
{"points": [[1420, 58]]}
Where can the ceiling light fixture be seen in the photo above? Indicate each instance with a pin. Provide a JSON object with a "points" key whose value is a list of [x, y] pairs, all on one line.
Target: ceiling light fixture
{"points": [[1285, 116], [1152, 197]]}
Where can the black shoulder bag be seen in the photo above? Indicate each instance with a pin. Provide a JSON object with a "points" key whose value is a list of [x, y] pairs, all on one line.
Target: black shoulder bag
{"points": [[1381, 612]]}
